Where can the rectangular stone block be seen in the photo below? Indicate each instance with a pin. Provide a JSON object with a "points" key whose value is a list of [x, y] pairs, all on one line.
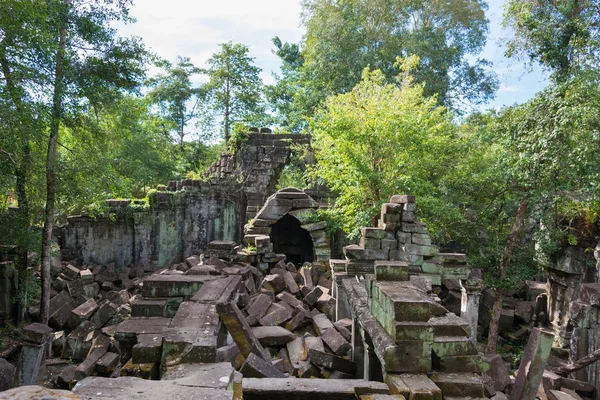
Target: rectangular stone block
{"points": [[148, 307], [219, 290], [391, 271], [331, 361], [174, 285], [374, 233], [240, 331], [256, 367], [402, 199]]}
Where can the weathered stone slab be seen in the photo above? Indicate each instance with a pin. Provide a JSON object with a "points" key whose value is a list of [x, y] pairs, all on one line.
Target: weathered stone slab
{"points": [[186, 346], [107, 363], [311, 298], [402, 199], [331, 361], [256, 367], [306, 274], [459, 384], [299, 320], [129, 329], [273, 335], [260, 306], [309, 389], [104, 314], [79, 341], [82, 313], [148, 371], [390, 270], [148, 307], [148, 349], [444, 346], [127, 387], [98, 349], [336, 342], [290, 300], [174, 285], [240, 331], [321, 323], [532, 365], [219, 290], [296, 350], [279, 316], [413, 386]]}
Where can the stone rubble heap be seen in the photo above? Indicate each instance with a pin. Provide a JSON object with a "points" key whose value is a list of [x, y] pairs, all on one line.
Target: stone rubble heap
{"points": [[400, 237]]}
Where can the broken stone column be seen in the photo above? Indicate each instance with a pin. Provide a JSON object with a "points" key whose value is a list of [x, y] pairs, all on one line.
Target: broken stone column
{"points": [[33, 351], [469, 309], [532, 365]]}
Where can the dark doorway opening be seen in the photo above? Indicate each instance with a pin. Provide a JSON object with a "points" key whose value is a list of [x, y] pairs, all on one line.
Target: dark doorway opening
{"points": [[290, 239]]}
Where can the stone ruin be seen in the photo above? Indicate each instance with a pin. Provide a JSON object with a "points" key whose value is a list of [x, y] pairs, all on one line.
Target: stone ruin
{"points": [[164, 302]]}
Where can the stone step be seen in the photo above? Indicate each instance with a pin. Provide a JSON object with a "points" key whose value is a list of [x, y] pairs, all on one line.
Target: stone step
{"points": [[459, 384], [413, 386], [392, 302], [148, 307], [444, 346], [449, 325]]}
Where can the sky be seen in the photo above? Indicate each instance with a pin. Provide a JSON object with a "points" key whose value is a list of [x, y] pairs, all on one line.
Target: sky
{"points": [[195, 29]]}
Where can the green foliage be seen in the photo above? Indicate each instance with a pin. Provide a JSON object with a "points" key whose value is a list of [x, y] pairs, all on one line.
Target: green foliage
{"points": [[343, 37], [563, 36], [293, 174], [379, 140], [173, 92], [239, 136]]}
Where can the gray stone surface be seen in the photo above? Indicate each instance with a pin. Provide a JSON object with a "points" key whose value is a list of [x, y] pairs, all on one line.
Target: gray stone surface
{"points": [[309, 389], [34, 392], [7, 375], [130, 388]]}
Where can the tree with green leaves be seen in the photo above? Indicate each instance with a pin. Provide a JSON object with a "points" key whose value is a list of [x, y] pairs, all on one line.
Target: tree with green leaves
{"points": [[381, 139], [175, 95], [343, 37], [563, 36], [72, 61], [549, 148], [234, 90]]}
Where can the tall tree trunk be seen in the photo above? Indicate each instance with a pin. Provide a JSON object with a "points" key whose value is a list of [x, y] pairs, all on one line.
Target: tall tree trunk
{"points": [[227, 112], [51, 176], [504, 264], [22, 175]]}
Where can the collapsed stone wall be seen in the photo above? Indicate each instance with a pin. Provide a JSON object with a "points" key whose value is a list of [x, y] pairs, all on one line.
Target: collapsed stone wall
{"points": [[185, 215]]}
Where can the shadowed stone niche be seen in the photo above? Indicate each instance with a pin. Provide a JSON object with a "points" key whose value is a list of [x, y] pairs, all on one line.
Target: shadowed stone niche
{"points": [[290, 239]]}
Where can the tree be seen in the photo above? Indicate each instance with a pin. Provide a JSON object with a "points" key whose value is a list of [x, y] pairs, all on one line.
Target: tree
{"points": [[343, 37], [382, 139], [289, 97], [173, 92], [234, 89], [65, 59], [23, 118], [92, 62], [548, 153], [563, 36]]}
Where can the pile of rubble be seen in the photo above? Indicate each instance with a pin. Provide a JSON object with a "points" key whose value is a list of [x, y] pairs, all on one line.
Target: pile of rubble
{"points": [[85, 308], [140, 322]]}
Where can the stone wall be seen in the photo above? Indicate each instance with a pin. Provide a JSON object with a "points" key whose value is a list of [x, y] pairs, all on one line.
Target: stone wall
{"points": [[176, 225], [183, 216]]}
